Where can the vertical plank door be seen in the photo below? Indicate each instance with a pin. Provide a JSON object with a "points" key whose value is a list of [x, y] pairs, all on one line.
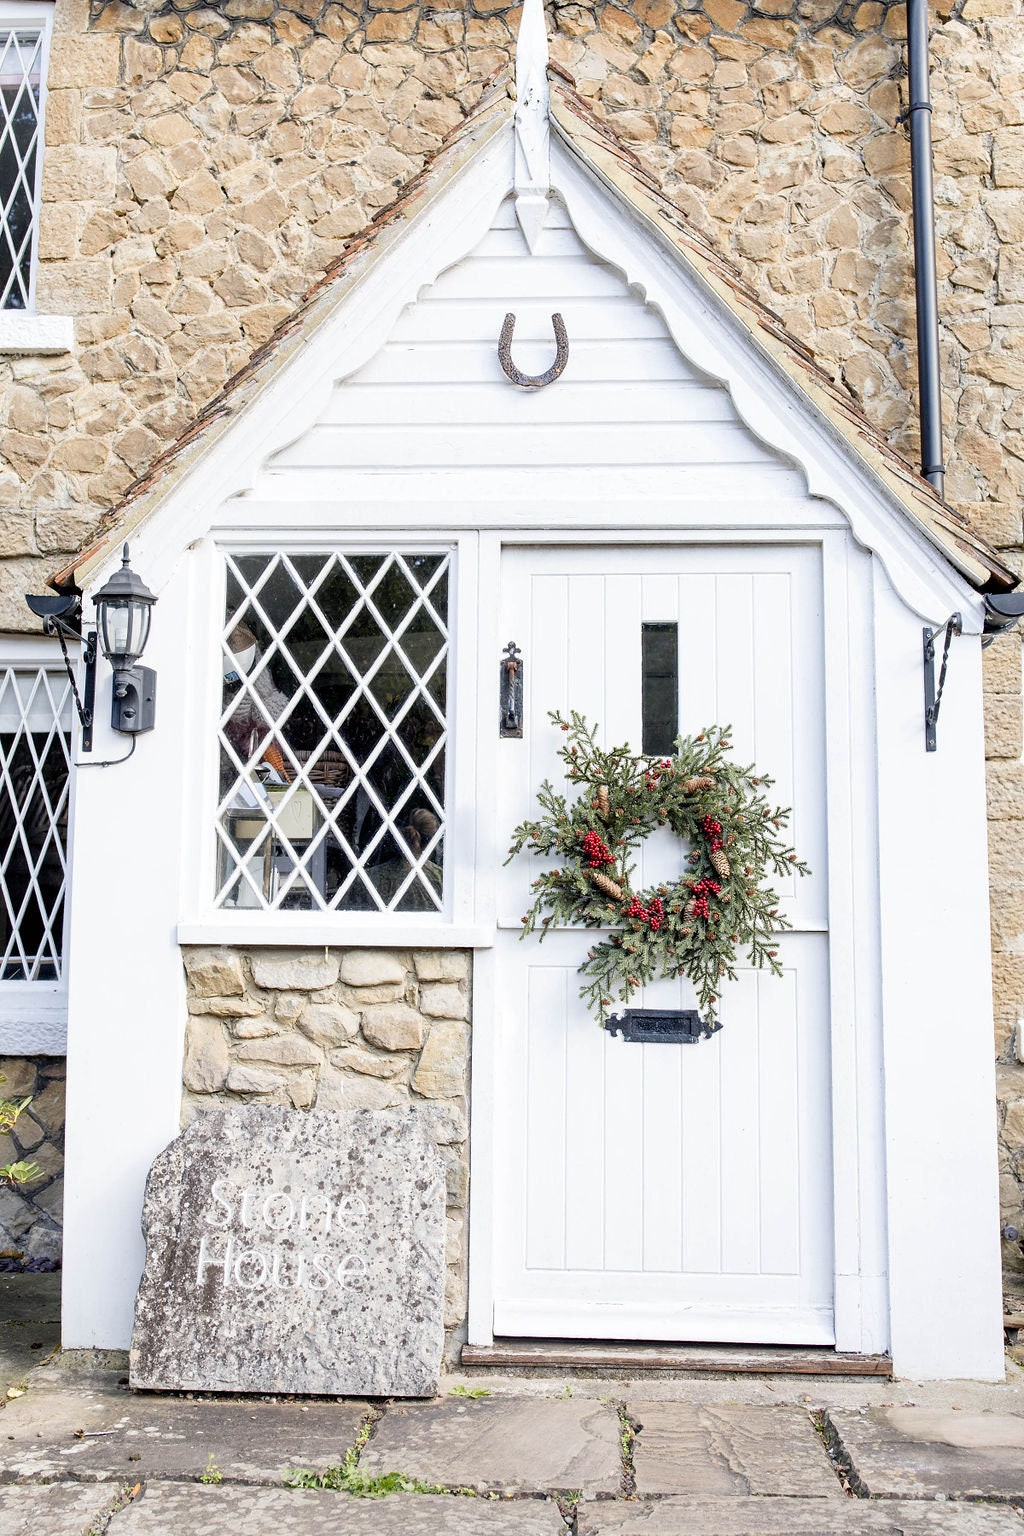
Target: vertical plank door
{"points": [[666, 1192]]}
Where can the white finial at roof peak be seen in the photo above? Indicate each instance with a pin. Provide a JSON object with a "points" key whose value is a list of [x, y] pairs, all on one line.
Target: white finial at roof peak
{"points": [[533, 174]]}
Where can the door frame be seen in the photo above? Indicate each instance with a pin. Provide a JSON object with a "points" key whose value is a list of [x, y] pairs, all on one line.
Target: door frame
{"points": [[854, 986]]}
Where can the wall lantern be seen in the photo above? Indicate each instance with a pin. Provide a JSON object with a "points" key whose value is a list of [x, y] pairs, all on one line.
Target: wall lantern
{"points": [[124, 609]]}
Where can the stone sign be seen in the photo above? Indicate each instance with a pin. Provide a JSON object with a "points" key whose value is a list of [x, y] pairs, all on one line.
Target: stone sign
{"points": [[294, 1251]]}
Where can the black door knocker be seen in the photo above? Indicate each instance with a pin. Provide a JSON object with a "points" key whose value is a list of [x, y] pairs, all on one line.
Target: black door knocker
{"points": [[510, 691], [533, 380]]}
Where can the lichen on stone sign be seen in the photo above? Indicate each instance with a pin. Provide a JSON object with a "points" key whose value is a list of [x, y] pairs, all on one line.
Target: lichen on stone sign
{"points": [[291, 1251]]}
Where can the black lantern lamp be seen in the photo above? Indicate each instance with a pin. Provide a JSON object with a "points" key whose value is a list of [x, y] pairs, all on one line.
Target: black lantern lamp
{"points": [[124, 608]]}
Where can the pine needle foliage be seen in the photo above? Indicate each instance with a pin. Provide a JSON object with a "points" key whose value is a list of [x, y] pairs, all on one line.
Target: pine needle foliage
{"points": [[721, 906]]}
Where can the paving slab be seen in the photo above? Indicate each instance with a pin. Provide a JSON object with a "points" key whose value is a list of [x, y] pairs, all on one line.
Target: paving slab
{"points": [[167, 1437], [794, 1517], [729, 1448], [528, 1446], [30, 1298], [924, 1453], [52, 1511], [23, 1346], [212, 1511]]}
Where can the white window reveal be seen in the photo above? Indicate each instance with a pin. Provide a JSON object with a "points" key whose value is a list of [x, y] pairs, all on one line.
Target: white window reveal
{"points": [[35, 766], [334, 732], [24, 48], [22, 57]]}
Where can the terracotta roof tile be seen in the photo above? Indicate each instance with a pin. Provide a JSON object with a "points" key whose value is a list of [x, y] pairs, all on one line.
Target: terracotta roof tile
{"points": [[495, 100], [591, 139]]}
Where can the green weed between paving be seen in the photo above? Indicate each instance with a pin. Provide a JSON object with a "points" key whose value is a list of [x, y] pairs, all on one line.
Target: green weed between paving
{"points": [[347, 1477]]}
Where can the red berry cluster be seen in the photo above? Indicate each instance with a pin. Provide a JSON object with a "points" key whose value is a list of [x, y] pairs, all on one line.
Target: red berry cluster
{"points": [[700, 893], [595, 851], [653, 916], [712, 830], [655, 775]]}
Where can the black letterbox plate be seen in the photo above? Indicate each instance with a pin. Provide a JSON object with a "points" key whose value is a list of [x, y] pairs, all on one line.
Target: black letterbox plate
{"points": [[664, 1026]]}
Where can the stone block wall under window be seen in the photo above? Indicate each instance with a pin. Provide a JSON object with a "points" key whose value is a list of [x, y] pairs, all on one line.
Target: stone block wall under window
{"points": [[341, 1029]]}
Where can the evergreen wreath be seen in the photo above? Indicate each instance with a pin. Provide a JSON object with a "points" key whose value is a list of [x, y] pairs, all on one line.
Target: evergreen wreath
{"points": [[720, 904]]}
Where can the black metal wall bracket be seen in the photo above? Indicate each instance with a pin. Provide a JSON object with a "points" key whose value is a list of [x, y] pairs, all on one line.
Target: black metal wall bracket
{"points": [[954, 625], [57, 612], [661, 1026], [510, 691]]}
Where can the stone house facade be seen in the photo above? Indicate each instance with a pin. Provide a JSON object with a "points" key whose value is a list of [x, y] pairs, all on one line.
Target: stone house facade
{"points": [[204, 163]]}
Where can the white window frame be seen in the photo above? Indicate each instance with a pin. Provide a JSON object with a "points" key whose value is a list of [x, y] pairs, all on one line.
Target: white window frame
{"points": [[34, 1014], [24, 332], [454, 927]]}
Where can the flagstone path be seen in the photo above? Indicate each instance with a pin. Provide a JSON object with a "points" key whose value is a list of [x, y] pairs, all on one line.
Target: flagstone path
{"points": [[81, 1455]]}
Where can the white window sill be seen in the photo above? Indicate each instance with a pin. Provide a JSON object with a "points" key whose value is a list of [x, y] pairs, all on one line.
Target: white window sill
{"points": [[335, 931], [33, 1020], [27, 335]]}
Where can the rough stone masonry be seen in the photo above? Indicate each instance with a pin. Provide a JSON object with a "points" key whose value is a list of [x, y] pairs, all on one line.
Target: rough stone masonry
{"points": [[291, 1251], [342, 1030], [204, 162]]}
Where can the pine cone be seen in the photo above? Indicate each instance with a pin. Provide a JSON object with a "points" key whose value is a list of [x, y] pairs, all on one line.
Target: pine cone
{"points": [[690, 910], [605, 884], [719, 863], [702, 781], [603, 800]]}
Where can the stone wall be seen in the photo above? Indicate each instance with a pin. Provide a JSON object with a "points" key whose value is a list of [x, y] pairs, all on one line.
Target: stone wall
{"points": [[30, 1215], [1006, 876], [205, 161], [341, 1029]]}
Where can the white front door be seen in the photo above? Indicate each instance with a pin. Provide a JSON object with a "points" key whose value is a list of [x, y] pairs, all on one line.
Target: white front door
{"points": [[668, 1191]]}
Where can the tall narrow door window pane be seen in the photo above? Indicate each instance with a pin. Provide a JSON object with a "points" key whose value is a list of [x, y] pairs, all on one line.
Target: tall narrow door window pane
{"points": [[333, 732], [35, 764], [660, 687], [21, 70]]}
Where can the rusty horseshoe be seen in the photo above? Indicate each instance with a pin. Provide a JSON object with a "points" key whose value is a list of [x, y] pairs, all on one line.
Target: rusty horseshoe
{"points": [[530, 380]]}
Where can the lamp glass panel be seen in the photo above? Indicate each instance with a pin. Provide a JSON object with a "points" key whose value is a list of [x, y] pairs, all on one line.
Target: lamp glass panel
{"points": [[115, 625], [143, 616], [125, 628]]}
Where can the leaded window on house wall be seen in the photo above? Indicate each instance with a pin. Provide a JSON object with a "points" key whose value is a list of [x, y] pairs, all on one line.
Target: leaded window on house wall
{"points": [[22, 59], [35, 765], [333, 732]]}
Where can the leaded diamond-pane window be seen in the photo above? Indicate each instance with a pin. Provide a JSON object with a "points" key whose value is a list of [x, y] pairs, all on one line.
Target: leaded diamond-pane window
{"points": [[333, 732], [21, 72], [35, 763]]}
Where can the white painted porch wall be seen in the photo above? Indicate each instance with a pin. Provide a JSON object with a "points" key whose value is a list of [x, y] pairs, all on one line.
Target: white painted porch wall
{"points": [[940, 1094], [430, 435], [433, 413]]}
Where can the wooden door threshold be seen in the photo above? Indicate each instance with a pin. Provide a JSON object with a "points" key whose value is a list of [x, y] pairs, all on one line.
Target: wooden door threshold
{"points": [[691, 1359]]}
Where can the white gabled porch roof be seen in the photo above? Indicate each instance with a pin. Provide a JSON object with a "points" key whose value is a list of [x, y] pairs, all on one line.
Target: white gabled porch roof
{"points": [[715, 317]]}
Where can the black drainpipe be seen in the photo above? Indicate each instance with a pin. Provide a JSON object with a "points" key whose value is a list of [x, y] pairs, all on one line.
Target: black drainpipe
{"points": [[926, 293]]}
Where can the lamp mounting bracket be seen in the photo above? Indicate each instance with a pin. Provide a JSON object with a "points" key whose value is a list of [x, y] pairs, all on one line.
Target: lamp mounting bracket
{"points": [[55, 612], [954, 625]]}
